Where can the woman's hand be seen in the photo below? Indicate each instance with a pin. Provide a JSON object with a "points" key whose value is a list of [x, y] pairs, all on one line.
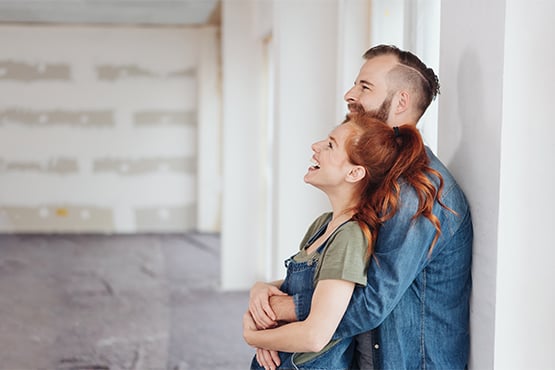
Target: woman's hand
{"points": [[259, 304], [268, 359], [249, 326]]}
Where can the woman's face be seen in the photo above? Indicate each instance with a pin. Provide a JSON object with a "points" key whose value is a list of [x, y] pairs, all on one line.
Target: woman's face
{"points": [[330, 161]]}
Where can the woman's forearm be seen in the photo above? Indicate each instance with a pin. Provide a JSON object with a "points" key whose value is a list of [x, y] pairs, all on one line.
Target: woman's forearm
{"points": [[293, 337], [329, 303]]}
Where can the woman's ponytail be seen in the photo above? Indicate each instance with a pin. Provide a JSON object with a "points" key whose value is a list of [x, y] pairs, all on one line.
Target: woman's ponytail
{"points": [[391, 156], [412, 166]]}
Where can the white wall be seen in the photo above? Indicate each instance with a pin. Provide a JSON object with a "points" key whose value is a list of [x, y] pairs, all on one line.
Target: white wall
{"points": [[423, 20], [241, 131], [470, 121], [412, 25], [525, 298], [98, 128], [305, 79], [494, 134], [209, 131], [388, 22], [353, 40]]}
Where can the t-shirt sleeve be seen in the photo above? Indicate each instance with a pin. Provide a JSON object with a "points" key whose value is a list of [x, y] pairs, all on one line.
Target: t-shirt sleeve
{"points": [[344, 258]]}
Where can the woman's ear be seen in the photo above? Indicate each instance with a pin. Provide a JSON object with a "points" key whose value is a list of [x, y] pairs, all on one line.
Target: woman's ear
{"points": [[356, 173]]}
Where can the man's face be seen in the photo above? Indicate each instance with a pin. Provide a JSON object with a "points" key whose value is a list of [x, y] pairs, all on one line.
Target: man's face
{"points": [[370, 92]]}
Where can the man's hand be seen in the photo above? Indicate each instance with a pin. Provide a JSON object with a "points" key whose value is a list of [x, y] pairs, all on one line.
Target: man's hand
{"points": [[283, 307], [259, 305]]}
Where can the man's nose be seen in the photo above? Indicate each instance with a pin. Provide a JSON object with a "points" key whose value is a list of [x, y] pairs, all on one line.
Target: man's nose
{"points": [[351, 96]]}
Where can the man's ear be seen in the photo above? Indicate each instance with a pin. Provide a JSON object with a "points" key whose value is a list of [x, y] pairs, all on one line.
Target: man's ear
{"points": [[402, 102], [356, 173]]}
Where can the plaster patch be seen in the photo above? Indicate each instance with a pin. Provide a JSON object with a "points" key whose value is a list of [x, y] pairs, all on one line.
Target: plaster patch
{"points": [[108, 72], [162, 118], [17, 166], [145, 165], [56, 218], [61, 166], [28, 72], [189, 72], [167, 219], [85, 118]]}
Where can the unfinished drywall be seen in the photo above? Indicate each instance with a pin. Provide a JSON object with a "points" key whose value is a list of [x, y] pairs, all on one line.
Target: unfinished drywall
{"points": [[98, 128]]}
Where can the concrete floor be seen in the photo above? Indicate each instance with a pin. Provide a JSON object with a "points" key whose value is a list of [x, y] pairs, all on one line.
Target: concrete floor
{"points": [[85, 302]]}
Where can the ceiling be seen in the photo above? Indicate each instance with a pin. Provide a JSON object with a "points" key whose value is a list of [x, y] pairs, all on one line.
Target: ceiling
{"points": [[116, 12]]}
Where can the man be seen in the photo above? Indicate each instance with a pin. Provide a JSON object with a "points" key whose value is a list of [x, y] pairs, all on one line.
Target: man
{"points": [[414, 311]]}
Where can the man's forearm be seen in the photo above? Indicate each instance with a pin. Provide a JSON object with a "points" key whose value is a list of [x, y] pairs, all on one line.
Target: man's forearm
{"points": [[284, 308]]}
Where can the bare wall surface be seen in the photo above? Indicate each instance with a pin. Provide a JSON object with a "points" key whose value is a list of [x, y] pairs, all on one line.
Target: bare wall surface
{"points": [[98, 128]]}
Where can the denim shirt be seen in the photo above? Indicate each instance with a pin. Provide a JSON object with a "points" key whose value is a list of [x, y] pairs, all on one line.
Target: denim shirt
{"points": [[416, 304]]}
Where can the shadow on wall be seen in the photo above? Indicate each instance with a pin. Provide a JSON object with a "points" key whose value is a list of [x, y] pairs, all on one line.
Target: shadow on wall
{"points": [[478, 132], [470, 111], [475, 164]]}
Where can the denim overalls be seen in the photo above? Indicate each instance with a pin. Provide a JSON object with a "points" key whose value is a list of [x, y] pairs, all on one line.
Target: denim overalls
{"points": [[299, 278]]}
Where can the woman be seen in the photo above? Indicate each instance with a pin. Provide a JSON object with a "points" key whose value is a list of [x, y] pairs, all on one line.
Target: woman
{"points": [[358, 167]]}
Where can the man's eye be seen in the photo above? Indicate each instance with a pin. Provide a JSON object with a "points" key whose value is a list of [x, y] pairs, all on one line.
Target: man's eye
{"points": [[329, 145], [365, 87]]}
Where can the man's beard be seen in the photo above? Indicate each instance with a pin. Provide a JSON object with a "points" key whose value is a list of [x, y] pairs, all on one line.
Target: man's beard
{"points": [[382, 113]]}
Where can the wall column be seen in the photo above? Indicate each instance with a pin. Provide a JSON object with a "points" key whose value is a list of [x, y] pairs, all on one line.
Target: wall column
{"points": [[494, 130]]}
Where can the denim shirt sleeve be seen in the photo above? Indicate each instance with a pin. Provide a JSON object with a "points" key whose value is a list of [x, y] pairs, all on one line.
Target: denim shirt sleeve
{"points": [[302, 304], [401, 252]]}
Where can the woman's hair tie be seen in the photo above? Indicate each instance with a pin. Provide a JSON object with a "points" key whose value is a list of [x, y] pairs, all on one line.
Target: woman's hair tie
{"points": [[396, 131]]}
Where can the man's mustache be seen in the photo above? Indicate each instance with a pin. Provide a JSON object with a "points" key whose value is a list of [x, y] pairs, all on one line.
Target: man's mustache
{"points": [[355, 108]]}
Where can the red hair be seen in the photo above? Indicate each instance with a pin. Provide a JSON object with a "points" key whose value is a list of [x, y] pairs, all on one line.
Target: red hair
{"points": [[389, 156]]}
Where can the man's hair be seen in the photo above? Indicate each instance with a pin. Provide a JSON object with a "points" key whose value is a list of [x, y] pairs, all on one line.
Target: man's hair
{"points": [[411, 72]]}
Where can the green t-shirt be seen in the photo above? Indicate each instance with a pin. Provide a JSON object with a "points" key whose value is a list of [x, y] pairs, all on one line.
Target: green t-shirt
{"points": [[343, 258]]}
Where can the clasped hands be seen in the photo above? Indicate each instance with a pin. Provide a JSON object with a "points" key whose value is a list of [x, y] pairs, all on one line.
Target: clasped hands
{"points": [[260, 316]]}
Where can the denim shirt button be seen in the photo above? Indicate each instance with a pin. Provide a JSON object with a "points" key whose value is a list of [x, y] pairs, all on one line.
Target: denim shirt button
{"points": [[376, 346]]}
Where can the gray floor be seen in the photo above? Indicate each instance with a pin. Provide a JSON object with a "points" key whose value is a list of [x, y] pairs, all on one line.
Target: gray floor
{"points": [[86, 302]]}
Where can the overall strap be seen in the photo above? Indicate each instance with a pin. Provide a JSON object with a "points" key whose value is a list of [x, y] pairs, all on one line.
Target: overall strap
{"points": [[325, 243], [319, 232], [315, 236]]}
